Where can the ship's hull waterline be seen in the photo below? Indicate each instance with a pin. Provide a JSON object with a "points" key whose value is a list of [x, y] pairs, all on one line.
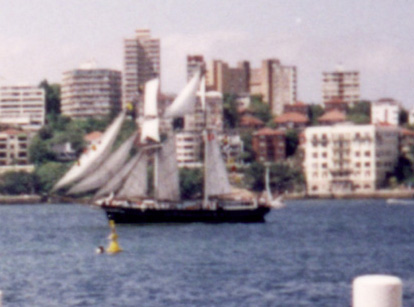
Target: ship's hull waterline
{"points": [[126, 215]]}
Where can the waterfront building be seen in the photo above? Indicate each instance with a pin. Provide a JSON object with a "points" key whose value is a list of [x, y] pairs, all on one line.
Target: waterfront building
{"points": [[269, 145], [141, 63], [22, 106], [278, 85], [341, 85], [292, 120], [91, 92], [347, 158], [385, 110], [14, 146]]}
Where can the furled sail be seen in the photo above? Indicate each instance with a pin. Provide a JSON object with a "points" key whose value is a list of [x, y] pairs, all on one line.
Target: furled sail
{"points": [[167, 171], [135, 184], [107, 170], [185, 101], [151, 95], [217, 181], [94, 156], [114, 183]]}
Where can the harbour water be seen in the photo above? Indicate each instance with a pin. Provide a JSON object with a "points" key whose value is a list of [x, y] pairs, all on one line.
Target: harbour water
{"points": [[306, 254]]}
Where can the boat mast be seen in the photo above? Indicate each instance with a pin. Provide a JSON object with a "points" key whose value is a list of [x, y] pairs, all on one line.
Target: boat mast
{"points": [[205, 136]]}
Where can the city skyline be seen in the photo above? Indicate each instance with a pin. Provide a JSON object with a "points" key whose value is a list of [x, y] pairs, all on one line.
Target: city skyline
{"points": [[44, 38]]}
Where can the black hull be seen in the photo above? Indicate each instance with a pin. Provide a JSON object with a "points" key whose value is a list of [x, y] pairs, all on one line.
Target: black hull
{"points": [[139, 216]]}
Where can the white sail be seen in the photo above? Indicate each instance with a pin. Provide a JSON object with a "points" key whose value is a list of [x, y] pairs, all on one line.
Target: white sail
{"points": [[108, 169], [94, 155], [150, 130], [167, 171], [151, 95], [116, 182], [135, 184], [216, 181], [185, 101]]}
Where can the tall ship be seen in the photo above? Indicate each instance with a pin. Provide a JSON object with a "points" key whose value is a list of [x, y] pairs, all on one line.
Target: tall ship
{"points": [[121, 179]]}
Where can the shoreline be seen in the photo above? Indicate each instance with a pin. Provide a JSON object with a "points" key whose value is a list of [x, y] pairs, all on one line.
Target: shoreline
{"points": [[379, 194]]}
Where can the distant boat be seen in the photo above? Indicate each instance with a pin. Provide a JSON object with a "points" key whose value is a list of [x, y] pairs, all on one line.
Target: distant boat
{"points": [[397, 201], [121, 181]]}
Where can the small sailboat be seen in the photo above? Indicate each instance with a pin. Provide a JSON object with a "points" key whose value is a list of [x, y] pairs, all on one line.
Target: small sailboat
{"points": [[121, 182], [275, 203]]}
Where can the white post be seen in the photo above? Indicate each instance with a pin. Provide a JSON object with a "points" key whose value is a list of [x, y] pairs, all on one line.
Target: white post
{"points": [[1, 298], [377, 291]]}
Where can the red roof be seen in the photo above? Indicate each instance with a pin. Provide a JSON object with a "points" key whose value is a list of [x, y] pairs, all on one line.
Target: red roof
{"points": [[93, 136], [269, 131], [291, 117], [335, 101], [249, 120], [12, 131], [333, 116], [407, 132]]}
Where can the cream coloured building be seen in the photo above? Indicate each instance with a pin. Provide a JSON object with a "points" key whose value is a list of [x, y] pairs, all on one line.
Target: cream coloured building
{"points": [[90, 92], [22, 106], [341, 85], [385, 110], [142, 62], [348, 158]]}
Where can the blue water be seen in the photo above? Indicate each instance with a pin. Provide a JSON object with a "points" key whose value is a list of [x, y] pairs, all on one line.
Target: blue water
{"points": [[304, 255]]}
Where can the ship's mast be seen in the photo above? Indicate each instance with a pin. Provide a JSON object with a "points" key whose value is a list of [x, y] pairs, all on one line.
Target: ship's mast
{"points": [[205, 135]]}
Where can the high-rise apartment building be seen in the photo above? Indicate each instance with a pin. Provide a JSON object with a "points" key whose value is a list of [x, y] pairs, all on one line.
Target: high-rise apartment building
{"points": [[228, 80], [89, 92], [348, 158], [340, 85], [141, 63], [278, 85], [22, 106]]}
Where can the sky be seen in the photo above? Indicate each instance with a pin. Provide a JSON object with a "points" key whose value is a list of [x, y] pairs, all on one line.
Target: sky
{"points": [[40, 39]]}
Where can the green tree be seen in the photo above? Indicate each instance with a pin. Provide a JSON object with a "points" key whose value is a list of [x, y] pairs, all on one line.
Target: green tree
{"points": [[255, 176], [403, 171], [52, 93], [248, 154], [292, 142], [230, 112], [191, 182], [260, 109], [39, 151], [283, 177], [17, 183], [314, 112], [403, 117], [360, 113], [48, 174]]}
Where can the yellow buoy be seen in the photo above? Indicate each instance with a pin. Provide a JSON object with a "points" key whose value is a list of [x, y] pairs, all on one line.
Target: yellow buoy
{"points": [[113, 246]]}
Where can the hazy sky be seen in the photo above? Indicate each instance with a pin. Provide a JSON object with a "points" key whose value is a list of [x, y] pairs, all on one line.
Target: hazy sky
{"points": [[42, 38]]}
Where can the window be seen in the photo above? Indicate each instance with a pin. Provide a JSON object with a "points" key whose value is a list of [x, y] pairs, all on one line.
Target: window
{"points": [[367, 153]]}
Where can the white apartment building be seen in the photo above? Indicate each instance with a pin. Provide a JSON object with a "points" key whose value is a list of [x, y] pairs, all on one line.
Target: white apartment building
{"points": [[14, 146], [188, 148], [141, 64], [90, 92], [278, 85], [22, 106], [340, 85], [385, 110], [349, 158]]}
